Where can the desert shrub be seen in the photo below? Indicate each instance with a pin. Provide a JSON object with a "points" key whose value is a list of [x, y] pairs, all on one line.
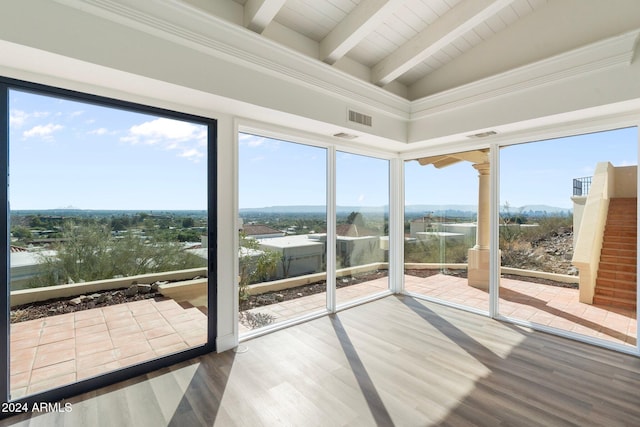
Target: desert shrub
{"points": [[88, 252]]}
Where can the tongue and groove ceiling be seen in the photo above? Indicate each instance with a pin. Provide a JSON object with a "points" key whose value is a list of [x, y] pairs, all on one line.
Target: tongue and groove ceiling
{"points": [[395, 44]]}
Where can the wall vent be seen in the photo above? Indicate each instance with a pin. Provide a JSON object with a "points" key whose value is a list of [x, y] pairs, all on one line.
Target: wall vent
{"points": [[345, 135], [360, 118], [483, 134]]}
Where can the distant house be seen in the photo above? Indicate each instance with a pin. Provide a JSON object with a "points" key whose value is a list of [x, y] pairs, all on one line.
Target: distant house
{"points": [[25, 265], [260, 231]]}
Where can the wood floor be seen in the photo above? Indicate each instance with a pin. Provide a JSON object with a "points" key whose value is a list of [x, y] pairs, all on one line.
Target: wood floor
{"points": [[396, 361]]}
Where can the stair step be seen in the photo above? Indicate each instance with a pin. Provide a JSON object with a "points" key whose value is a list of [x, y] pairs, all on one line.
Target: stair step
{"points": [[616, 293], [617, 250], [614, 302], [624, 285], [628, 276], [623, 263], [618, 268]]}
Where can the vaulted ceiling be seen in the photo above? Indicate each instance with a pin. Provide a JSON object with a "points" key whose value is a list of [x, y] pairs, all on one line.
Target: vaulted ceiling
{"points": [[395, 44], [420, 73]]}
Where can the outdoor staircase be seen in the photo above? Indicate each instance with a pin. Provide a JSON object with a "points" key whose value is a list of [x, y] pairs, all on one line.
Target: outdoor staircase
{"points": [[616, 281]]}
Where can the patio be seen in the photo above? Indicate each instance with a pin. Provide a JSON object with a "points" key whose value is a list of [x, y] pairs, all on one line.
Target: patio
{"points": [[62, 349], [546, 305], [58, 350]]}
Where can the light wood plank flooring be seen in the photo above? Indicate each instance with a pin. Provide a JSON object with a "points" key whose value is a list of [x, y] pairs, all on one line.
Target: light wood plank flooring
{"points": [[396, 361]]}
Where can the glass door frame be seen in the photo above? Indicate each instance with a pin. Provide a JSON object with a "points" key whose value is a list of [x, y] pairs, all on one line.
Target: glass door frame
{"points": [[82, 386]]}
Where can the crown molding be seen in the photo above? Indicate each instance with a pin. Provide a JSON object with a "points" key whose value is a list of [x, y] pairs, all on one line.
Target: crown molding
{"points": [[185, 24], [599, 56]]}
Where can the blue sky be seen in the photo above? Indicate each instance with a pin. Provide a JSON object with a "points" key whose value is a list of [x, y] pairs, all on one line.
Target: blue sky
{"points": [[71, 154], [280, 173], [274, 173]]}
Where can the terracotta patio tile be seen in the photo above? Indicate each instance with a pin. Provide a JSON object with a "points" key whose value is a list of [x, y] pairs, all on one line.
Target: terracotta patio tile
{"points": [[115, 310], [167, 304], [138, 358], [97, 370], [137, 347], [19, 380], [158, 332], [125, 331], [134, 339], [25, 354], [24, 343], [96, 359], [51, 371], [153, 324], [165, 341], [171, 349], [89, 321], [60, 319], [54, 334], [86, 349], [141, 307], [91, 338], [52, 383], [55, 353], [122, 323], [90, 330], [88, 314]]}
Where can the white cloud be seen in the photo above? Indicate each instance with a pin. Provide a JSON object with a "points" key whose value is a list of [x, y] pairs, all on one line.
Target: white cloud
{"points": [[170, 135], [17, 117], [361, 198], [42, 131], [257, 141], [192, 154], [99, 131]]}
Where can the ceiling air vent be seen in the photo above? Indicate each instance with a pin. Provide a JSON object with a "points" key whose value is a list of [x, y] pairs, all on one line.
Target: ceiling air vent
{"points": [[360, 118], [345, 135], [483, 134]]}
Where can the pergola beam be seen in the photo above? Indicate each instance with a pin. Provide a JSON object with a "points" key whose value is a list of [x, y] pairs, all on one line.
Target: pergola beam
{"points": [[453, 24], [357, 25], [259, 13], [475, 157]]}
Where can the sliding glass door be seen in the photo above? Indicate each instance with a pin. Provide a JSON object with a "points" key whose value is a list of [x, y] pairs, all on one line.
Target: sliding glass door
{"points": [[568, 217], [446, 245], [362, 226], [109, 232], [283, 231]]}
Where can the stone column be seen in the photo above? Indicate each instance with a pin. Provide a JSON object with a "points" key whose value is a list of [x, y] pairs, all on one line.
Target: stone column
{"points": [[478, 256]]}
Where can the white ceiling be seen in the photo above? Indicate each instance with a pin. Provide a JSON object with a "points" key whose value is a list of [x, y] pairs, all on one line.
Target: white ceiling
{"points": [[455, 68], [394, 44]]}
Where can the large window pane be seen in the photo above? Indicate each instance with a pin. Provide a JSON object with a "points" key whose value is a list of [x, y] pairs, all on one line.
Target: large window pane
{"points": [[568, 234], [362, 226], [446, 248], [282, 259], [108, 261]]}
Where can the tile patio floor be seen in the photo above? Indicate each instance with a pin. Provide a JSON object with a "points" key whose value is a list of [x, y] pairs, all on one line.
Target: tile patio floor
{"points": [[58, 350], [546, 305], [543, 304]]}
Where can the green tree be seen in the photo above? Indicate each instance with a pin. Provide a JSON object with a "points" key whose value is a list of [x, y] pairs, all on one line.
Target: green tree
{"points": [[89, 252], [21, 232], [256, 265]]}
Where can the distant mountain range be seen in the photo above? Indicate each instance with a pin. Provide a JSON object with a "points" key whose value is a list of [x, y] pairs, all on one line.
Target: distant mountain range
{"points": [[409, 210]]}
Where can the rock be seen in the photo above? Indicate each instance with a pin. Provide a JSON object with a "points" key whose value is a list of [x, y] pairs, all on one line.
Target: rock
{"points": [[102, 298], [266, 299], [144, 289], [131, 290], [95, 296], [75, 301]]}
